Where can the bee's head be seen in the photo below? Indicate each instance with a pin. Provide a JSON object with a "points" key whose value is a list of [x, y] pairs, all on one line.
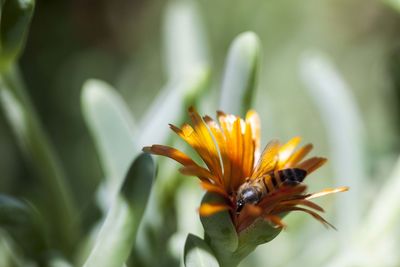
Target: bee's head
{"points": [[247, 195], [239, 205]]}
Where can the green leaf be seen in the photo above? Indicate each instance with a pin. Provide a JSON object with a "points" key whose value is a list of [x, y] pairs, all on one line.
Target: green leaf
{"points": [[241, 68], [13, 212], [137, 185], [60, 211], [59, 262], [219, 227], [10, 255], [170, 107], [188, 75], [112, 128], [229, 247], [383, 215], [159, 223], [395, 4], [185, 46], [118, 232], [220, 233], [21, 221], [345, 130], [15, 18], [258, 233], [198, 254]]}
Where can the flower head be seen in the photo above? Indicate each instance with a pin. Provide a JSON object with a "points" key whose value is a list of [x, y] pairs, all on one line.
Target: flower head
{"points": [[255, 185]]}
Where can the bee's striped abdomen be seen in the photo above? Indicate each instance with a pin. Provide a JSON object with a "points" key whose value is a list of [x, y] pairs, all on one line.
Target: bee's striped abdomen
{"points": [[288, 177], [292, 175]]}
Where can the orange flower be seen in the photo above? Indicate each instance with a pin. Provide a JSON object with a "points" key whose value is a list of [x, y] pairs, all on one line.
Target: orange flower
{"points": [[254, 186]]}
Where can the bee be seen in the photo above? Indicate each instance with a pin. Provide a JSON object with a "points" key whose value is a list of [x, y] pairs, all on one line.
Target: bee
{"points": [[253, 190], [265, 179]]}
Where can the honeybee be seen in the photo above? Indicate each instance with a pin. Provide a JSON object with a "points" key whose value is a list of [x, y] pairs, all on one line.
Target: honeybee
{"points": [[252, 191], [265, 180]]}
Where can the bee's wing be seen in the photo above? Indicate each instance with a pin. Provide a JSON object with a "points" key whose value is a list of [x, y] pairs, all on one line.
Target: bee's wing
{"points": [[268, 159]]}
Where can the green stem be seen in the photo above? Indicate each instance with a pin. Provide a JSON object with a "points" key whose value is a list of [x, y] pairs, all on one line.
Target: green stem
{"points": [[60, 210]]}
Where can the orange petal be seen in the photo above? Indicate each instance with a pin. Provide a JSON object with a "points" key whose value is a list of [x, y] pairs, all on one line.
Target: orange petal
{"points": [[226, 121], [286, 151], [170, 152], [236, 154], [248, 151], [188, 135], [214, 188], [232, 130], [196, 170], [275, 220], [312, 164], [247, 216], [328, 191], [208, 149], [312, 213], [251, 210], [221, 141], [208, 209], [253, 120], [298, 155], [202, 147], [176, 129], [269, 202], [302, 202]]}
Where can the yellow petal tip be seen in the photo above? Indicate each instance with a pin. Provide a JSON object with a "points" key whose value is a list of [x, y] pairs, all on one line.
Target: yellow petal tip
{"points": [[207, 209], [146, 149]]}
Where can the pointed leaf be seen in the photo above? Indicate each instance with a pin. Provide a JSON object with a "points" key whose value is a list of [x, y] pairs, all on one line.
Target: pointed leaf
{"points": [[198, 254], [260, 232], [137, 185], [22, 223], [59, 262], [229, 247], [188, 75], [15, 19], [219, 229], [118, 232], [240, 75], [395, 4], [169, 107], [112, 128], [184, 39], [345, 129], [10, 253], [35, 144], [160, 220]]}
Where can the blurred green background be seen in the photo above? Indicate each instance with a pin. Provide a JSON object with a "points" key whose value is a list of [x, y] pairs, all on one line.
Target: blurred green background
{"points": [[125, 43]]}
